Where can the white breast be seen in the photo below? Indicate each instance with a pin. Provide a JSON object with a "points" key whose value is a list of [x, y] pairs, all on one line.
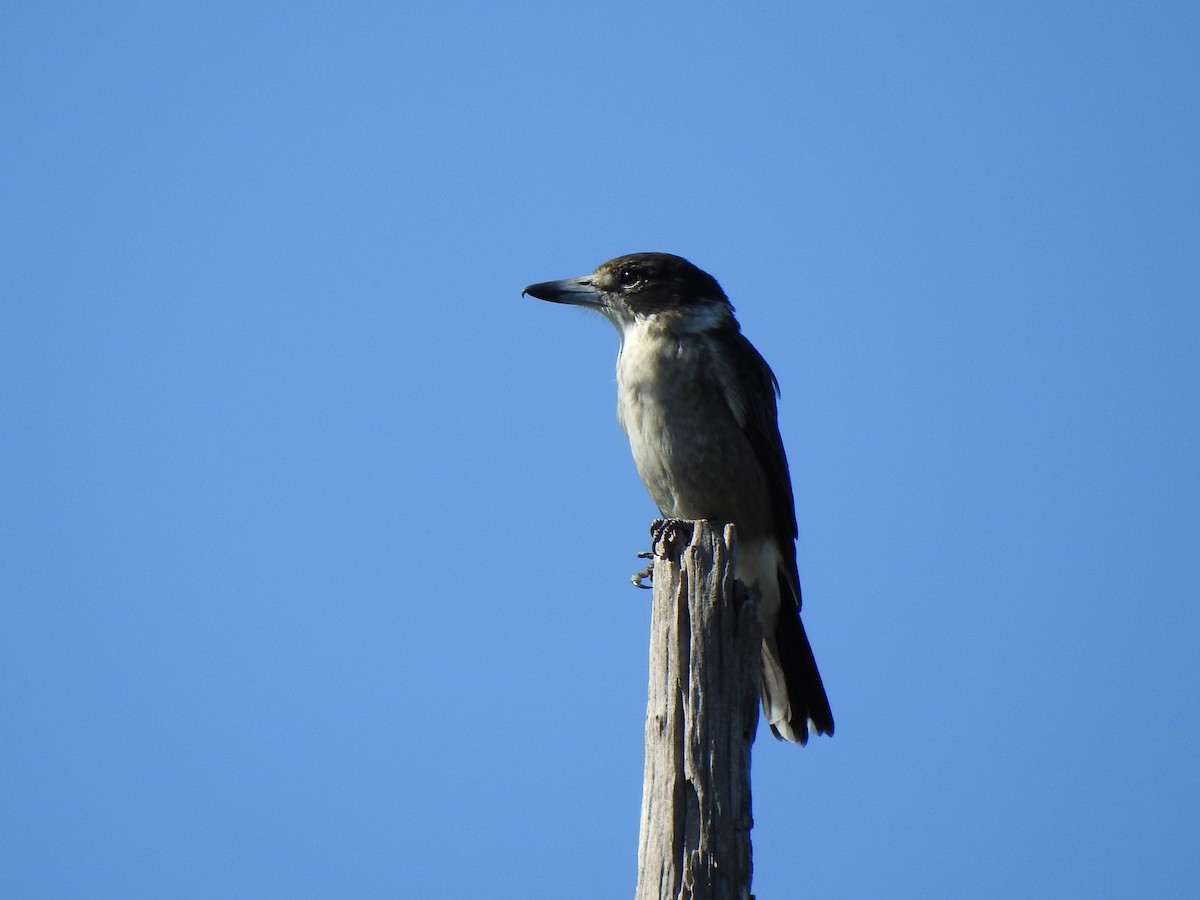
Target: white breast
{"points": [[644, 383]]}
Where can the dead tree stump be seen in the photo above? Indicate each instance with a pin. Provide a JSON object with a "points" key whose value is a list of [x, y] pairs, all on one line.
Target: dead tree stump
{"points": [[701, 715]]}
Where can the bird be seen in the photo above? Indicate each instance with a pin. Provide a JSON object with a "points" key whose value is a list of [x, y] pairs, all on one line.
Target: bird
{"points": [[699, 405]]}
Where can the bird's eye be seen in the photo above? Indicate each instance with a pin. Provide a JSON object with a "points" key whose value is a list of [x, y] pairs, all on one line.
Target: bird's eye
{"points": [[628, 277]]}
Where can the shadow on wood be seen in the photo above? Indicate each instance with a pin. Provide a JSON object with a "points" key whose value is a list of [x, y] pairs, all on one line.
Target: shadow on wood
{"points": [[701, 716]]}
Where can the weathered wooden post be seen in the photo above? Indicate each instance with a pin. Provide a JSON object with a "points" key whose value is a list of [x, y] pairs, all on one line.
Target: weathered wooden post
{"points": [[701, 716]]}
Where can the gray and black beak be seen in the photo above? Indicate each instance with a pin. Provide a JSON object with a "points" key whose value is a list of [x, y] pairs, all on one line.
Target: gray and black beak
{"points": [[573, 291]]}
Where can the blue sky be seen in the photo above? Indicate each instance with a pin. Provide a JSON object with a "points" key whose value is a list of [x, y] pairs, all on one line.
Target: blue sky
{"points": [[316, 539]]}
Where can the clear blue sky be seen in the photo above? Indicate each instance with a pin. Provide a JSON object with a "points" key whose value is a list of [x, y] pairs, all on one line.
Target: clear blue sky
{"points": [[316, 535]]}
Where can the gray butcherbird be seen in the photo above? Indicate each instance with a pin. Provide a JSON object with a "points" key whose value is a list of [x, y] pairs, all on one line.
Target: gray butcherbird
{"points": [[698, 404]]}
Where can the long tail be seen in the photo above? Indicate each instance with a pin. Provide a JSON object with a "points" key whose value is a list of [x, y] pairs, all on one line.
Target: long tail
{"points": [[793, 696]]}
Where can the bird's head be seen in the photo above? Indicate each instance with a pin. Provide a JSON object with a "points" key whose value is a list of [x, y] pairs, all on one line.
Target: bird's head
{"points": [[645, 286]]}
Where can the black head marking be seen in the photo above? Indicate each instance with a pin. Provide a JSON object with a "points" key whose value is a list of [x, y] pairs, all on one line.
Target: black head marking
{"points": [[650, 282]]}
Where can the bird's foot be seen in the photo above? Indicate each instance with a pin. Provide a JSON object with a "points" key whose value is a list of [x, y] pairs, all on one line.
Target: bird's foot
{"points": [[663, 535], [645, 578]]}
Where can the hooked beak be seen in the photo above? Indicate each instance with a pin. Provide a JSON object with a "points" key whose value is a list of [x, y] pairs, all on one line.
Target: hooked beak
{"points": [[573, 291]]}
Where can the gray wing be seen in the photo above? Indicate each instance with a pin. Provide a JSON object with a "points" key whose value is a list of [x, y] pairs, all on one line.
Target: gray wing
{"points": [[751, 394], [755, 410]]}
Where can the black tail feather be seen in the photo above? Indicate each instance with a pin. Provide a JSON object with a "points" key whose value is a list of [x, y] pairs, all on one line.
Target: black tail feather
{"points": [[806, 692]]}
